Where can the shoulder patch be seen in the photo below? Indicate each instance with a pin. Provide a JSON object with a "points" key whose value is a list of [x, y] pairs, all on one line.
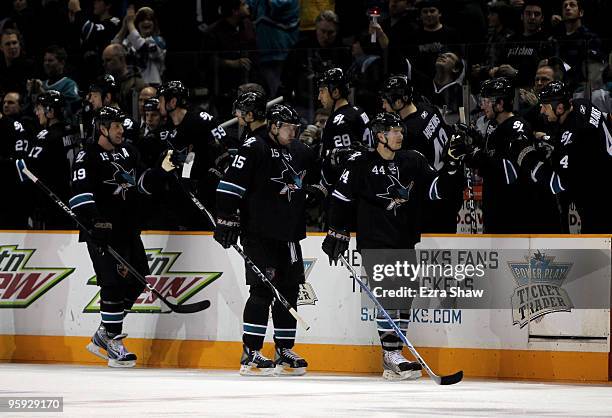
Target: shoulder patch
{"points": [[247, 142], [206, 116], [365, 118]]}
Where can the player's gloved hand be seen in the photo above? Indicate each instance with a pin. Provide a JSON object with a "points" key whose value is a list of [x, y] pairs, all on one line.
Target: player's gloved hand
{"points": [[227, 230], [472, 136], [173, 160], [101, 232], [335, 244], [545, 146], [315, 193], [221, 163]]}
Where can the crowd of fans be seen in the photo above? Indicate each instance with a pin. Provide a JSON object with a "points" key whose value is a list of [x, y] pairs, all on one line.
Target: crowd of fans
{"points": [[118, 53]]}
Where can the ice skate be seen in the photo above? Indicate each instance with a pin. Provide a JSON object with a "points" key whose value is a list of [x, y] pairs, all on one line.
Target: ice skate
{"points": [[288, 363], [253, 363], [397, 367], [99, 342], [118, 355]]}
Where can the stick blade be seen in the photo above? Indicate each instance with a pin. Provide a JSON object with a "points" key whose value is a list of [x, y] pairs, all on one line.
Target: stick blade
{"points": [[450, 379], [190, 308]]}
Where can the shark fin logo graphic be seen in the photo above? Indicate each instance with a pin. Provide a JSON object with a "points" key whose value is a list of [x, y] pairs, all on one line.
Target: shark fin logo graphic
{"points": [[20, 286], [290, 179], [177, 286], [539, 290]]}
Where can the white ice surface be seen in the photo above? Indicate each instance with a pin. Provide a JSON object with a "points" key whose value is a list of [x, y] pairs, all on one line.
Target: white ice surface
{"points": [[99, 391]]}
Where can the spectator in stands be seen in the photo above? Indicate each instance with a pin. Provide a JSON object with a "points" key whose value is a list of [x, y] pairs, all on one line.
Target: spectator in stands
{"points": [[395, 31], [576, 42], [232, 39], [24, 18], [277, 29], [310, 57], [91, 34], [526, 49], [54, 64], [429, 41], [128, 79], [147, 92], [139, 34], [446, 89], [499, 18], [15, 68]]}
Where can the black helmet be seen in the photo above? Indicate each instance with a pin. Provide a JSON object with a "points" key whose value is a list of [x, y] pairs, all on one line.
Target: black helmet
{"points": [[105, 84], [555, 91], [499, 87], [281, 113], [334, 78], [51, 99], [251, 101], [151, 105], [397, 87], [385, 121], [107, 115], [173, 89]]}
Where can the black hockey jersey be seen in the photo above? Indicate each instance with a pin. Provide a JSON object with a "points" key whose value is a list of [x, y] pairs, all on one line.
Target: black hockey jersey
{"points": [[51, 155], [346, 125], [264, 183], [510, 202], [388, 195], [427, 133], [106, 185], [582, 166]]}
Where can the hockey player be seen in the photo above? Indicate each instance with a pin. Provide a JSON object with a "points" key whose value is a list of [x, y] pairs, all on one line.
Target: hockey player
{"points": [[51, 154], [427, 133], [510, 202], [345, 127], [387, 187], [261, 198], [582, 164], [191, 130], [105, 92], [107, 178]]}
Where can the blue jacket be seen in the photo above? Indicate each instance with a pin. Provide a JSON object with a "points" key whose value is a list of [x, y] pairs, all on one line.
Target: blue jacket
{"points": [[277, 24]]}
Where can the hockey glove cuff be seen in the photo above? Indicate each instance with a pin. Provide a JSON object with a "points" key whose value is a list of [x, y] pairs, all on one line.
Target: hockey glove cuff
{"points": [[227, 230], [101, 232], [335, 244], [315, 193]]}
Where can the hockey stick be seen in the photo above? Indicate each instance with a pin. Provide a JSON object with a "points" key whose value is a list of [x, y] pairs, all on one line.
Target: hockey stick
{"points": [[234, 121], [440, 380], [190, 308], [469, 175], [247, 259]]}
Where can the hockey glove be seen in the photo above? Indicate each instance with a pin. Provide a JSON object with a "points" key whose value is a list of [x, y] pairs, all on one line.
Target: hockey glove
{"points": [[227, 231], [221, 163], [172, 160], [101, 232], [335, 244], [315, 194]]}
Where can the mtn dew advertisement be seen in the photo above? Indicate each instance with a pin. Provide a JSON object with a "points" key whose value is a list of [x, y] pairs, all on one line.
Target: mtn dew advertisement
{"points": [[467, 292]]}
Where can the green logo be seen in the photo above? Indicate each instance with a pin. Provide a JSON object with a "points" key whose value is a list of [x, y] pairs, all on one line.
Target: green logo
{"points": [[20, 286], [178, 286]]}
